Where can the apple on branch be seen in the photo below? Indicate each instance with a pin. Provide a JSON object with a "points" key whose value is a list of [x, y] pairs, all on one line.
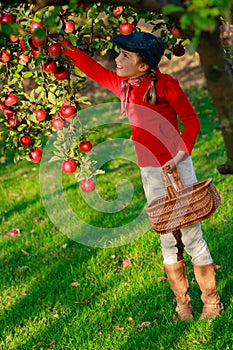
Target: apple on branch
{"points": [[5, 56], [40, 115], [126, 28], [69, 166], [67, 111], [11, 99], [87, 185], [35, 155], [85, 146]]}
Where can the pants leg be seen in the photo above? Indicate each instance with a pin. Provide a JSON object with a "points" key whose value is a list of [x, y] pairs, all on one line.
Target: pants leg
{"points": [[192, 236]]}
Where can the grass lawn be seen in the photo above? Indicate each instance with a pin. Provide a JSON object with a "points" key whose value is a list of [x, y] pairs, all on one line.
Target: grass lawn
{"points": [[63, 293]]}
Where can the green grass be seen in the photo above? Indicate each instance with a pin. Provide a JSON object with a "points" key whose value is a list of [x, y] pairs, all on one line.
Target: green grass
{"points": [[59, 294]]}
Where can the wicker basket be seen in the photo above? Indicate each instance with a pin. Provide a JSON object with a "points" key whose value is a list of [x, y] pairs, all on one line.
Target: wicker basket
{"points": [[182, 205]]}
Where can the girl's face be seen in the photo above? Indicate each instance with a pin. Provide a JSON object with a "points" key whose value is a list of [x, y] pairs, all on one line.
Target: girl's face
{"points": [[130, 65]]}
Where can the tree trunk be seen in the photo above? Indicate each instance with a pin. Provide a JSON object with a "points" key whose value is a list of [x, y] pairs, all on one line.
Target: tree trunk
{"points": [[219, 78]]}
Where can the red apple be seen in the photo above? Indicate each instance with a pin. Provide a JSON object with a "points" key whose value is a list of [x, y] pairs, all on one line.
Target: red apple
{"points": [[38, 42], [61, 73], [57, 123], [69, 27], [13, 233], [69, 166], [5, 56], [126, 28], [8, 113], [87, 185], [40, 115], [177, 31], [118, 10], [35, 25], [178, 50], [82, 5], [11, 99], [35, 155], [54, 49], [49, 66], [85, 146], [13, 123], [7, 17], [13, 38], [35, 52], [67, 111], [25, 140], [22, 44]]}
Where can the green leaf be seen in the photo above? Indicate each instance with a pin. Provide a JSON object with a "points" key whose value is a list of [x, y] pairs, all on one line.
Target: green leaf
{"points": [[73, 39], [27, 74], [10, 28], [52, 98]]}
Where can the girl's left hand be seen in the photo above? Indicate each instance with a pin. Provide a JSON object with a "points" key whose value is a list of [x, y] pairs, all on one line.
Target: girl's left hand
{"points": [[172, 163], [169, 166]]}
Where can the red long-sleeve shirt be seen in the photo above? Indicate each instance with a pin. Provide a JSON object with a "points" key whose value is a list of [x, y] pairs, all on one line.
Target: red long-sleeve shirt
{"points": [[154, 127]]}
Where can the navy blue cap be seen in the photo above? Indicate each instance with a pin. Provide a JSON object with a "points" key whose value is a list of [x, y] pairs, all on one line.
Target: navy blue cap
{"points": [[149, 46]]}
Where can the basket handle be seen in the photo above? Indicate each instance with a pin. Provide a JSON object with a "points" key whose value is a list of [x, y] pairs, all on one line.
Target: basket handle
{"points": [[170, 189]]}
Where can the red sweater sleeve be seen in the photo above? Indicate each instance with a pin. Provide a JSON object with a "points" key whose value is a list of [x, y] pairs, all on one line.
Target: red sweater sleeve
{"points": [[185, 111], [92, 69]]}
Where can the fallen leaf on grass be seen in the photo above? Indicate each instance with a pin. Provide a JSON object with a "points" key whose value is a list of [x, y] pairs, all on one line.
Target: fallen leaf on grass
{"points": [[75, 284], [24, 252], [143, 324], [118, 328], [8, 338], [36, 345], [103, 301], [161, 278], [126, 263]]}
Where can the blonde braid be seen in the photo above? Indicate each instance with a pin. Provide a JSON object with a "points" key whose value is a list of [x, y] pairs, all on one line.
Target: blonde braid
{"points": [[150, 95]]}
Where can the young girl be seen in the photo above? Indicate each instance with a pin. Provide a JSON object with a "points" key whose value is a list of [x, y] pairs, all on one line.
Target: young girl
{"points": [[153, 101]]}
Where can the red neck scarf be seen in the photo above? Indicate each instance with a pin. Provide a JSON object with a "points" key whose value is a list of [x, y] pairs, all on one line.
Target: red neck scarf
{"points": [[126, 88]]}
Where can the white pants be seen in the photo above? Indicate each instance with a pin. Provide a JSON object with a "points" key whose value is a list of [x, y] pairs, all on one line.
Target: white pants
{"points": [[192, 236]]}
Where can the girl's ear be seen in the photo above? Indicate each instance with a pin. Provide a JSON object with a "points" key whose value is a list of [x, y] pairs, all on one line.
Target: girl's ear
{"points": [[143, 67]]}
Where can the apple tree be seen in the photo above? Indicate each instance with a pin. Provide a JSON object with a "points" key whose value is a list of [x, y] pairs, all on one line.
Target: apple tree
{"points": [[30, 48]]}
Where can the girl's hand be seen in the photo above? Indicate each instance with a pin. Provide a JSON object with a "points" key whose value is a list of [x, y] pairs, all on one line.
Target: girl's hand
{"points": [[172, 164]]}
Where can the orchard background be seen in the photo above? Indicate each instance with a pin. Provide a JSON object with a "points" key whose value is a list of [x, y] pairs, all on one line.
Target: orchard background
{"points": [[30, 39], [54, 292]]}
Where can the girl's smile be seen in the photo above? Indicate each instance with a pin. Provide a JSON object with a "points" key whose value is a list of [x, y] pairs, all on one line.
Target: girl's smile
{"points": [[129, 64]]}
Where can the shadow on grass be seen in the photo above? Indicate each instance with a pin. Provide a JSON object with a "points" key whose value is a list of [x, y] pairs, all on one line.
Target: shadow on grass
{"points": [[102, 312]]}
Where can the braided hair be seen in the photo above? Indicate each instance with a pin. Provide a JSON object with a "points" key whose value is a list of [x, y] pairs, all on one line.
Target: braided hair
{"points": [[150, 95]]}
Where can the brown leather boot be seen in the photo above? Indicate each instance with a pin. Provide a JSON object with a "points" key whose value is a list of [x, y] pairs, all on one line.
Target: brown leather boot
{"points": [[178, 280], [205, 276]]}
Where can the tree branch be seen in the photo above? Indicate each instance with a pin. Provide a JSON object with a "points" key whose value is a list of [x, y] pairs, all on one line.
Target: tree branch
{"points": [[149, 5]]}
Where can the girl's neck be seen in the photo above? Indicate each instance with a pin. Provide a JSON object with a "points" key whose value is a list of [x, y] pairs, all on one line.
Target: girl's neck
{"points": [[139, 77]]}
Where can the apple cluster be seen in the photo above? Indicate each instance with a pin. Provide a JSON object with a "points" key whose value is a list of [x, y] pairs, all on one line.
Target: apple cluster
{"points": [[27, 117]]}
